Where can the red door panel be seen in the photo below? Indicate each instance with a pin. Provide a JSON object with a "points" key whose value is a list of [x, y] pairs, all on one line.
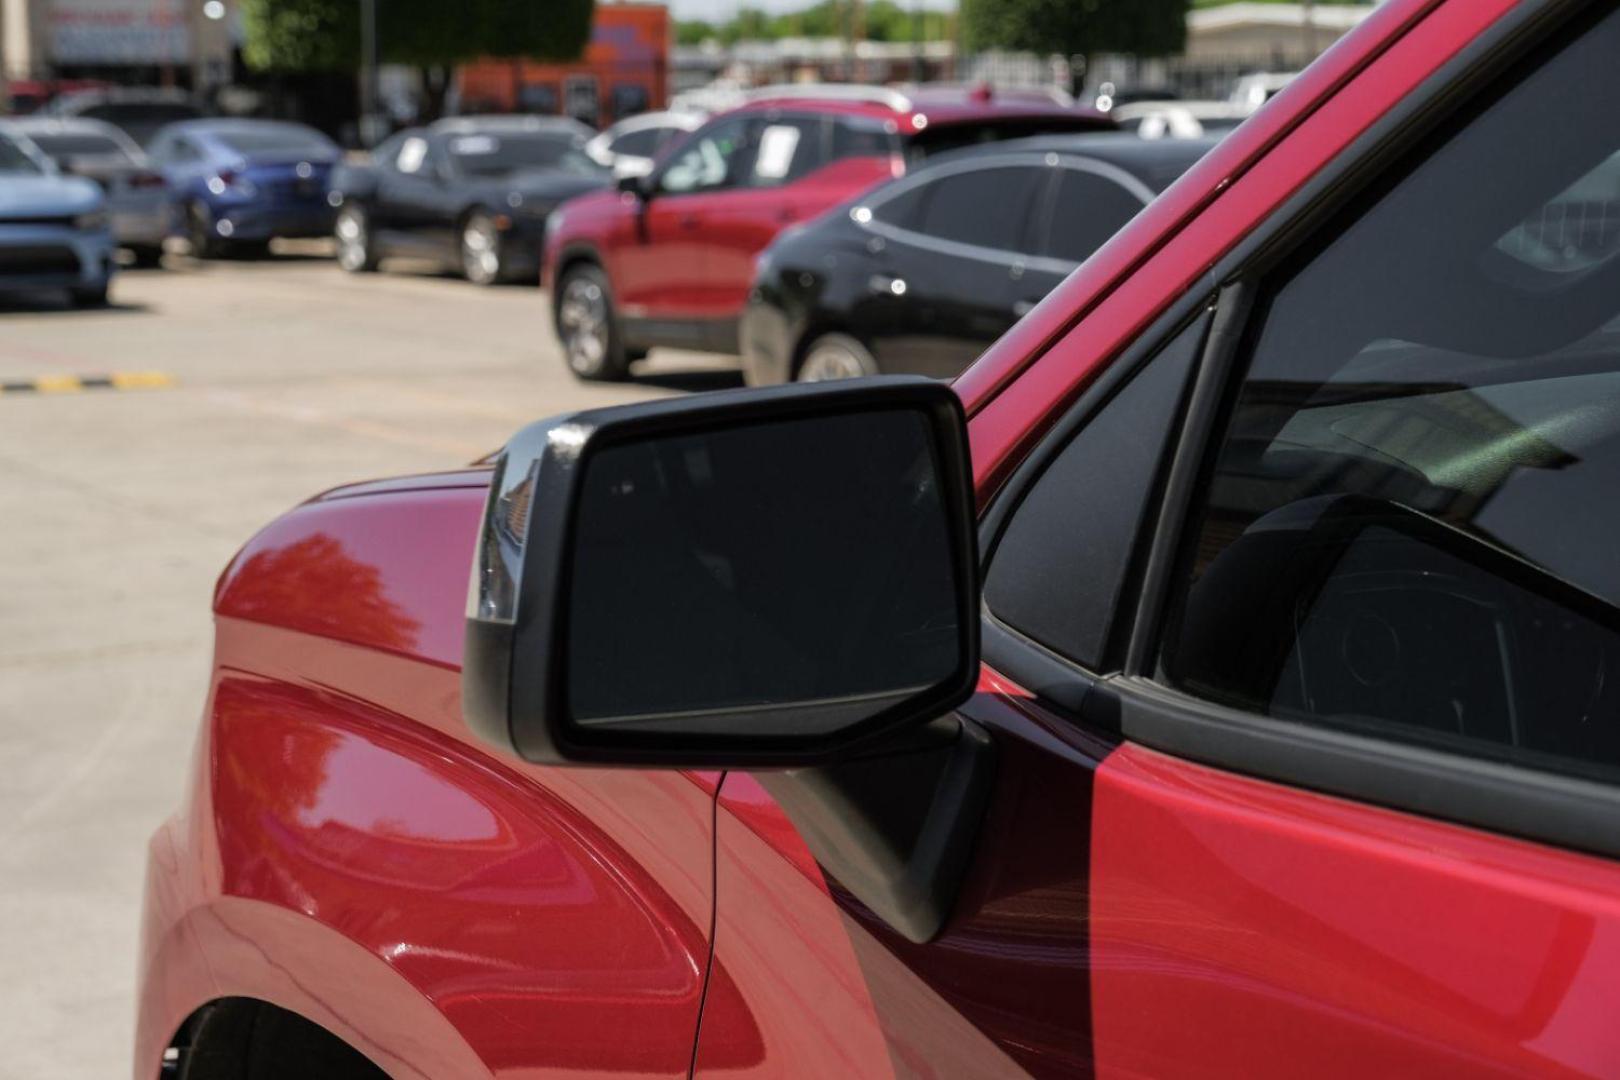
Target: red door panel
{"points": [[660, 267], [740, 226], [1246, 929], [826, 989]]}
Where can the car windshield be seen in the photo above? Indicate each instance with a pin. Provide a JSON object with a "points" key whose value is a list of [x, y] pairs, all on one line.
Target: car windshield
{"points": [[491, 154], [82, 145], [274, 140], [14, 160]]}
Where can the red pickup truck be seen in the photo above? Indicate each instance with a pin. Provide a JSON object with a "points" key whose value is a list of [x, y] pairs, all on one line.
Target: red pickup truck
{"points": [[1220, 679]]}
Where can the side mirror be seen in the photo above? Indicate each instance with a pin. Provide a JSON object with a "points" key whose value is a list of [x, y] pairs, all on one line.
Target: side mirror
{"points": [[754, 578], [634, 185]]}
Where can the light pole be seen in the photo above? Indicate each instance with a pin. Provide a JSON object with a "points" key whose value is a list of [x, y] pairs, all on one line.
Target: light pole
{"points": [[368, 71]]}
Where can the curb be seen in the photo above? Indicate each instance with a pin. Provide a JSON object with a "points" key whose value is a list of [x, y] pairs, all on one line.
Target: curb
{"points": [[68, 384]]}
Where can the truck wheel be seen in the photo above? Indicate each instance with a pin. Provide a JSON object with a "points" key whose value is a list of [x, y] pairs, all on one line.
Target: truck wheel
{"points": [[586, 327], [835, 356], [355, 251]]}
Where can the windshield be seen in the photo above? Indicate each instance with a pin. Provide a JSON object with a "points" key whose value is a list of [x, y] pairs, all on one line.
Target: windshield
{"points": [[277, 140], [487, 154], [64, 146], [14, 160]]}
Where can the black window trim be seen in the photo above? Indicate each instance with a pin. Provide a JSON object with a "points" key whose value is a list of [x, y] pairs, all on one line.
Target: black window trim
{"points": [[1558, 809]]}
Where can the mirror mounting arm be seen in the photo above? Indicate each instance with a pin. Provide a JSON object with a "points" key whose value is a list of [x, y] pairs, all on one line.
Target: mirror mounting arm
{"points": [[897, 829]]}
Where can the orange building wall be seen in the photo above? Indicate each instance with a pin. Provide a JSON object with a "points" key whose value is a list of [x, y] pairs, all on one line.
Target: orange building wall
{"points": [[625, 70]]}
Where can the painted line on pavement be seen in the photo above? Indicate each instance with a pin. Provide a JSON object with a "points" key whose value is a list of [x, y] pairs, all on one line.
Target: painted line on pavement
{"points": [[70, 384]]}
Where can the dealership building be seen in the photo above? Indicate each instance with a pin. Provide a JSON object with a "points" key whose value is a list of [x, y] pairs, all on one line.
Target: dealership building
{"points": [[184, 43]]}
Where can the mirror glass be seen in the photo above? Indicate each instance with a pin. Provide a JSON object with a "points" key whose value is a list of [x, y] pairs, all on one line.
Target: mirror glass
{"points": [[788, 578]]}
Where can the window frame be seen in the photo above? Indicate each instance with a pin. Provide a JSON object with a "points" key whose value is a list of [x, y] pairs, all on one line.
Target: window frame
{"points": [[1129, 702]]}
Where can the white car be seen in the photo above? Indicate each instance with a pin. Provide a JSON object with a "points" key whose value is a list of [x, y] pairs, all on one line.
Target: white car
{"points": [[1252, 91], [1179, 119], [137, 194], [629, 147]]}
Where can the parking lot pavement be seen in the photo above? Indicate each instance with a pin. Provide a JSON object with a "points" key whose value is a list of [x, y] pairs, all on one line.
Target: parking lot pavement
{"points": [[119, 507]]}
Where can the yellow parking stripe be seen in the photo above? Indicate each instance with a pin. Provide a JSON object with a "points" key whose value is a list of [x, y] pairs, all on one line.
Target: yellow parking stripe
{"points": [[68, 384], [58, 384]]}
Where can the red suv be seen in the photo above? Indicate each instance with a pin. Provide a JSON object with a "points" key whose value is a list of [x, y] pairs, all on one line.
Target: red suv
{"points": [[667, 260], [1221, 679]]}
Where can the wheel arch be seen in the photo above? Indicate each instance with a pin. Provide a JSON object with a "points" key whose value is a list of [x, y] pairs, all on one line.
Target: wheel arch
{"points": [[233, 949]]}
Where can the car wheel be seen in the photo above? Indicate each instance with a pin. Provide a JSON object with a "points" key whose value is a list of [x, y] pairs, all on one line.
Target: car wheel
{"points": [[586, 327], [90, 296], [835, 356], [205, 242], [481, 261], [147, 256], [355, 252]]}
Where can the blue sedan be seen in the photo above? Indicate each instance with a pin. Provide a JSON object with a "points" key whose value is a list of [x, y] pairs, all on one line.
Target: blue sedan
{"points": [[240, 183], [54, 230]]}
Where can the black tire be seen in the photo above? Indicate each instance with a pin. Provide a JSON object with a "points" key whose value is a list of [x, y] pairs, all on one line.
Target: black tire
{"points": [[482, 260], [835, 356], [93, 296], [205, 242], [147, 256], [587, 328], [356, 251]]}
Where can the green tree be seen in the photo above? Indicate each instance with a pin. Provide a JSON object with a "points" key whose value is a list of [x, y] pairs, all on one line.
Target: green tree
{"points": [[324, 35], [694, 32], [534, 29], [1077, 27], [301, 35]]}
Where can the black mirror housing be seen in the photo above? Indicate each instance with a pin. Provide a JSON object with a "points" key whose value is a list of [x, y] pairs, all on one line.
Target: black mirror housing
{"points": [[633, 185], [752, 578]]}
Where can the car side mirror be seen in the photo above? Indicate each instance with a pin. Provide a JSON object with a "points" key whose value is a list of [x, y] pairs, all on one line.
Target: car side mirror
{"points": [[638, 186], [752, 578]]}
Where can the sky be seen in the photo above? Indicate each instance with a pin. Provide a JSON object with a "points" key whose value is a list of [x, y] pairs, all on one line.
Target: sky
{"points": [[713, 10]]}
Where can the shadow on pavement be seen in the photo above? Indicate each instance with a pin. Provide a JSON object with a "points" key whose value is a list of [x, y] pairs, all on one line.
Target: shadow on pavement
{"points": [[692, 382]]}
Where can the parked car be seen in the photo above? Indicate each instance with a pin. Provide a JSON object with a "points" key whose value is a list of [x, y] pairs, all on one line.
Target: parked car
{"points": [[667, 260], [139, 111], [137, 195], [1217, 680], [629, 147], [20, 97], [918, 276], [54, 232], [1180, 119], [473, 193], [238, 184]]}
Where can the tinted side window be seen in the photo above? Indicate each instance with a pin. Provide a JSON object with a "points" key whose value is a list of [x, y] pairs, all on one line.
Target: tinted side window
{"points": [[984, 207], [713, 159], [903, 211], [643, 143], [786, 148], [1087, 211], [1409, 530], [856, 137], [1057, 572]]}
